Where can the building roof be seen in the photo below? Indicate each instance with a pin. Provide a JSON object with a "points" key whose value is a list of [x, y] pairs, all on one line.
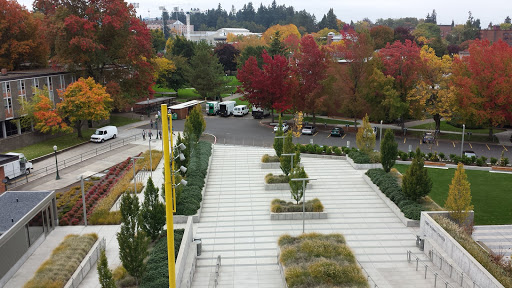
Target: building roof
{"points": [[186, 104], [14, 205], [33, 73], [6, 158], [155, 100]]}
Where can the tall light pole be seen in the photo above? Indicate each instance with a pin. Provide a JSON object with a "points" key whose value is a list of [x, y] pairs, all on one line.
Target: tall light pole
{"points": [[135, 181], [462, 146], [56, 164], [291, 161], [150, 159], [380, 134], [303, 199]]}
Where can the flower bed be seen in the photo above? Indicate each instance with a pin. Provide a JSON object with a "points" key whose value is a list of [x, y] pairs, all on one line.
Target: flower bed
{"points": [[317, 260], [57, 270], [274, 179], [281, 206]]}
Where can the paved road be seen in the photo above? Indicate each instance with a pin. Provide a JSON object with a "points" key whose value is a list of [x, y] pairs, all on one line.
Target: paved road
{"points": [[252, 132]]}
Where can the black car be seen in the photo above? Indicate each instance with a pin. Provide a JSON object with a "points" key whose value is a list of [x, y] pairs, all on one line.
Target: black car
{"points": [[428, 138], [338, 132]]}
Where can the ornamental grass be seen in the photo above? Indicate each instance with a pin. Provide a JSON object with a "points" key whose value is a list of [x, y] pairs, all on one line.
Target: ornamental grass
{"points": [[65, 259]]}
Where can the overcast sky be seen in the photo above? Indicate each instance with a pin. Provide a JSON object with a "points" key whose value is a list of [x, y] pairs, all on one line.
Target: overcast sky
{"points": [[494, 11]]}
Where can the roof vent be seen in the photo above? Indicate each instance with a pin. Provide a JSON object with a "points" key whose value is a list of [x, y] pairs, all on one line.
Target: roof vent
{"points": [[12, 220], [4, 71], [17, 200]]}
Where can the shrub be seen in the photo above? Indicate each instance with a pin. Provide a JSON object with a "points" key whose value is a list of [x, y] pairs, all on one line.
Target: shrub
{"points": [[359, 157], [494, 161], [319, 150], [311, 149], [328, 150], [337, 151], [452, 157], [441, 156], [269, 159], [412, 211], [302, 148], [416, 183], [61, 265], [479, 162], [389, 150], [281, 206], [274, 179]]}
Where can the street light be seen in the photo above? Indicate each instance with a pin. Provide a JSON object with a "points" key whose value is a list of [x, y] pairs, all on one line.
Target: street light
{"points": [[380, 134], [135, 181], [462, 146], [183, 169], [303, 199], [56, 164]]}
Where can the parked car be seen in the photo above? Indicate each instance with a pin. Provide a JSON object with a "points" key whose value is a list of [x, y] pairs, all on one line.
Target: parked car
{"points": [[310, 130], [285, 128], [469, 153], [338, 132], [428, 137]]}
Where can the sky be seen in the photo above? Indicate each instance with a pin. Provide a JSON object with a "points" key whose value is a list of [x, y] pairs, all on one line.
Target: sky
{"points": [[351, 10]]}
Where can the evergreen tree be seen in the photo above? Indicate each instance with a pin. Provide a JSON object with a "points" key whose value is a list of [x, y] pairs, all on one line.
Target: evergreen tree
{"points": [[104, 274], [288, 148], [329, 21], [153, 212], [365, 138], [416, 183], [165, 18], [278, 142], [194, 124], [296, 187], [133, 244], [276, 46], [388, 150], [459, 196], [205, 73]]}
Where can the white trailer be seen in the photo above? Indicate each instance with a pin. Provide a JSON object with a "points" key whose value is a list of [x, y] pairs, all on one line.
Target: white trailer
{"points": [[212, 108], [226, 108], [14, 165]]}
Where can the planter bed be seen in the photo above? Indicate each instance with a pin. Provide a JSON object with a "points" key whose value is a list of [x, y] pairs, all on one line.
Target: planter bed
{"points": [[298, 215], [271, 165], [282, 186], [501, 169], [363, 166], [439, 164]]}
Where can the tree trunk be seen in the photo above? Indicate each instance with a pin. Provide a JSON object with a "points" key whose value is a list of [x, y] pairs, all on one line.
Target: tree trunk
{"points": [[272, 115], [437, 119], [79, 128], [490, 133], [314, 119]]}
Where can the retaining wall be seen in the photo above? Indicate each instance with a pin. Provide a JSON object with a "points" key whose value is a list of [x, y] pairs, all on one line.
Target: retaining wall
{"points": [[363, 166], [186, 260], [283, 186], [87, 264], [298, 215]]}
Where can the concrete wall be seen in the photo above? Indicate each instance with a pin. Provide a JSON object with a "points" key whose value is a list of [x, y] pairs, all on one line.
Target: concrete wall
{"points": [[186, 260], [87, 264], [298, 215], [363, 166], [429, 229], [16, 141]]}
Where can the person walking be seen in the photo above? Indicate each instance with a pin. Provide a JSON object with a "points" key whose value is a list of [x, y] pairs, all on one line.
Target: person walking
{"points": [[150, 134], [160, 133], [151, 123], [143, 134]]}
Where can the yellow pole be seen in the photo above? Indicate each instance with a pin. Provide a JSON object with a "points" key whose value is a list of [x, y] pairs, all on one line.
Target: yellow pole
{"points": [[169, 189]]}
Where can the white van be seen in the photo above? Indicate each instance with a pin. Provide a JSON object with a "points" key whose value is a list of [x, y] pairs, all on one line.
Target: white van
{"points": [[14, 164], [104, 133], [240, 110]]}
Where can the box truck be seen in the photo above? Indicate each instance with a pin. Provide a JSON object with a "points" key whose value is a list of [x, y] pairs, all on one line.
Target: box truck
{"points": [[259, 113], [240, 110], [104, 133], [14, 164], [226, 108], [212, 108]]}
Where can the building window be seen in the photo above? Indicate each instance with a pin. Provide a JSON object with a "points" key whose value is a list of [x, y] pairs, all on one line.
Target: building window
{"points": [[11, 128], [62, 82], [35, 84]]}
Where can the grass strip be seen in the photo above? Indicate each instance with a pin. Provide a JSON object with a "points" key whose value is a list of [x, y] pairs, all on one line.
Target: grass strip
{"points": [[57, 270], [445, 126]]}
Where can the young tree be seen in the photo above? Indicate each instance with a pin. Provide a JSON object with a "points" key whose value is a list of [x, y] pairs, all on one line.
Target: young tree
{"points": [[205, 73], [288, 148], [133, 244], [153, 212], [296, 186], [84, 100], [416, 183], [365, 138], [164, 69], [482, 83], [194, 124], [157, 40], [388, 150], [459, 196], [277, 47], [278, 142], [104, 273]]}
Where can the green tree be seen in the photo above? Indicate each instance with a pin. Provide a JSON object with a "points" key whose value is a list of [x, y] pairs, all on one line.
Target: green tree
{"points": [[459, 196], [288, 148], [157, 40], [105, 274], [153, 212], [133, 243], [365, 138], [296, 187], [276, 46], [205, 73], [416, 183], [194, 124], [278, 142], [388, 150]]}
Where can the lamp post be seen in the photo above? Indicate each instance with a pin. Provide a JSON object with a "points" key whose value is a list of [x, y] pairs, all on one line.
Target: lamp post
{"points": [[291, 161], [303, 199], [380, 134], [150, 159], [56, 164], [149, 110], [135, 181], [462, 146]]}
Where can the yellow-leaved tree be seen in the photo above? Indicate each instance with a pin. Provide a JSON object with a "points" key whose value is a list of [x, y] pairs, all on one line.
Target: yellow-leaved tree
{"points": [[365, 138], [459, 196], [433, 95], [284, 32], [84, 100]]}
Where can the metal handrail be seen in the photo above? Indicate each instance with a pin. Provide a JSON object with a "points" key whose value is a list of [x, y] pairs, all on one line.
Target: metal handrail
{"points": [[432, 254], [368, 277], [50, 169], [436, 275], [217, 272]]}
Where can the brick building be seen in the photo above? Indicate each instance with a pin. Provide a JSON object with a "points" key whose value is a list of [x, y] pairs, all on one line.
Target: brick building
{"points": [[493, 35]]}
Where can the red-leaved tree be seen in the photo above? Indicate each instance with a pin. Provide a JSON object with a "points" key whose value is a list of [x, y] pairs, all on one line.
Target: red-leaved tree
{"points": [[268, 87], [483, 83]]}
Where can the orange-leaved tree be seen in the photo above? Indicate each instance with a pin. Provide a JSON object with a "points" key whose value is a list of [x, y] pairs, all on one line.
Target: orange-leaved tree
{"points": [[42, 111], [84, 100]]}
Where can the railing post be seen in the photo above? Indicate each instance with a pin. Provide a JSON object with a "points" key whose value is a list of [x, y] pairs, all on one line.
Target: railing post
{"points": [[426, 267], [435, 279], [417, 263], [461, 278], [441, 268], [451, 269]]}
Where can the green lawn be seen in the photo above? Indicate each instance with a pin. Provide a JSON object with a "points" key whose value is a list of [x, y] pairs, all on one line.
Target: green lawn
{"points": [[46, 147], [116, 120], [318, 120], [455, 137], [490, 193], [241, 102], [447, 127]]}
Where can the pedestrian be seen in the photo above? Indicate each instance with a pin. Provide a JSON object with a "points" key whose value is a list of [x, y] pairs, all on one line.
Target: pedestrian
{"points": [[150, 134], [143, 134], [151, 123], [160, 133]]}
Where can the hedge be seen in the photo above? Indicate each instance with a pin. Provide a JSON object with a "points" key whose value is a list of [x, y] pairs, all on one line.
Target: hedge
{"points": [[274, 179], [157, 274], [389, 186], [190, 198], [269, 159]]}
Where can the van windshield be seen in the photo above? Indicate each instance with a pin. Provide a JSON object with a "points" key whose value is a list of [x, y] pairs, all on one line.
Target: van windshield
{"points": [[99, 132]]}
